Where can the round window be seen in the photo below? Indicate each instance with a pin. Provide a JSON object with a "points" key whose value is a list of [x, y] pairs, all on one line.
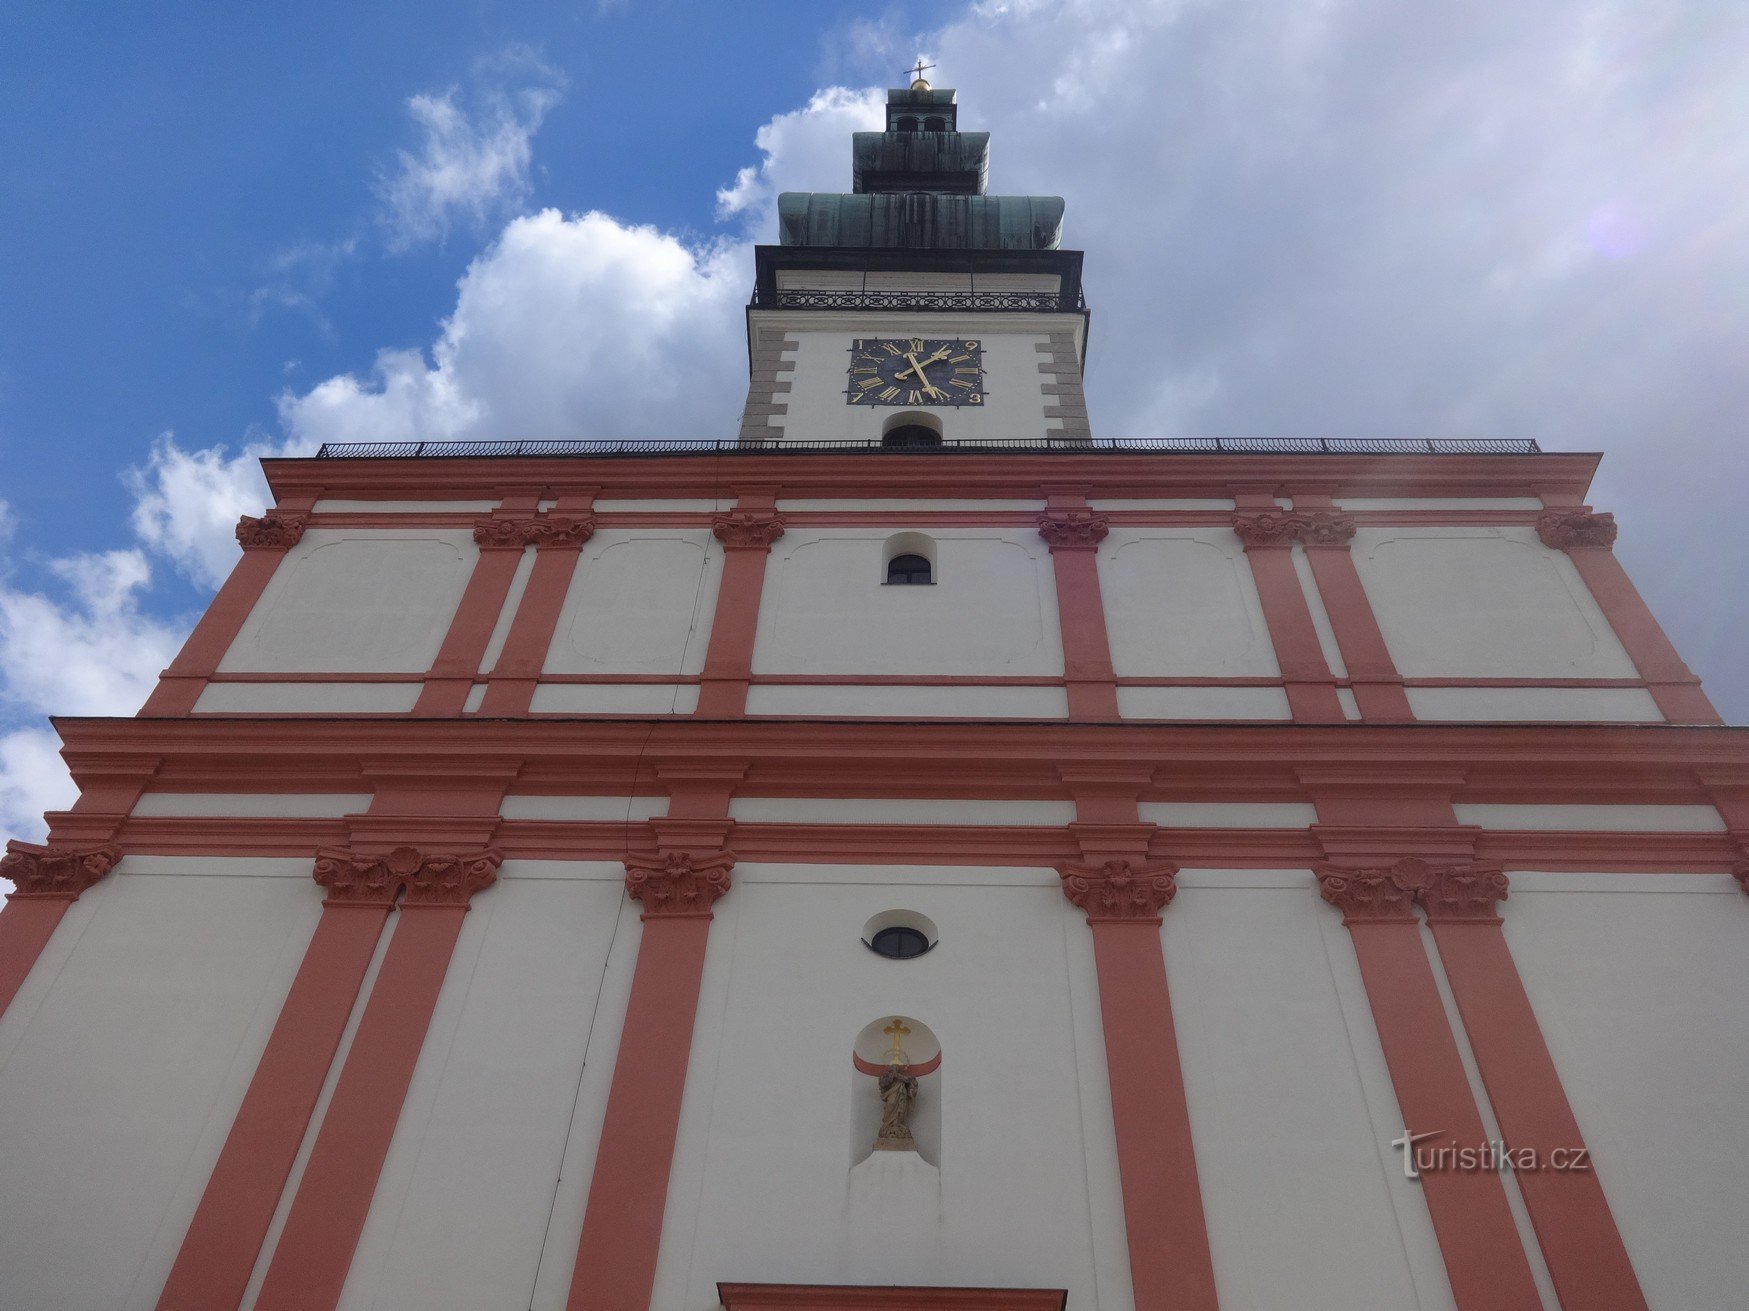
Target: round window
{"points": [[899, 942]]}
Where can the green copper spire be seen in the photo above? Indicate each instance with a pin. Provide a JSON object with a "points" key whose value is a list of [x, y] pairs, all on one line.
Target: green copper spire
{"points": [[920, 185]]}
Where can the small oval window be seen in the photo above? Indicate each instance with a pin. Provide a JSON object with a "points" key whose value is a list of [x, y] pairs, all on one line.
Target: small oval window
{"points": [[899, 942], [909, 570]]}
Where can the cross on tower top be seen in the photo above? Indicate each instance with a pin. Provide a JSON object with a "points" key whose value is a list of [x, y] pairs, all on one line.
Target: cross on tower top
{"points": [[918, 83]]}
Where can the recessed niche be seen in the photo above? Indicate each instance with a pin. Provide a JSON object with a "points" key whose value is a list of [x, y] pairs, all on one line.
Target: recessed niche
{"points": [[911, 1045], [900, 934]]}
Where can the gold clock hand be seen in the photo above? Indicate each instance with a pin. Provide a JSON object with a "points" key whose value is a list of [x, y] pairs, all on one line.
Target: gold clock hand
{"points": [[922, 377]]}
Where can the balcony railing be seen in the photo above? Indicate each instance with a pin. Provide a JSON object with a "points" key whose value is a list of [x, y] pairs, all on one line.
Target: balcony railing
{"points": [[1021, 445], [1048, 302]]}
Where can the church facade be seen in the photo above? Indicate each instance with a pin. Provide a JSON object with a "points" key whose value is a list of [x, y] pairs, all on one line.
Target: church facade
{"points": [[911, 853]]}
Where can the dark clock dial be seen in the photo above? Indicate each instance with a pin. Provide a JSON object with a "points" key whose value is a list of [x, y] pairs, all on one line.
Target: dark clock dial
{"points": [[915, 371]]}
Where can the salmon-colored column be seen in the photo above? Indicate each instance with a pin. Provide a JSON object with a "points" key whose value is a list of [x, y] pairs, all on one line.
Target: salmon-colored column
{"points": [[1574, 1225], [219, 1251], [746, 536], [1073, 535], [321, 1233], [265, 542], [622, 1220], [501, 540], [1372, 675], [1478, 1239], [1587, 539], [47, 880], [559, 541], [1170, 1266], [1311, 687]]}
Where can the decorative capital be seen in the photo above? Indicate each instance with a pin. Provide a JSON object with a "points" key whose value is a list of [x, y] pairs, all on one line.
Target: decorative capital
{"points": [[1576, 530], [354, 880], [429, 879], [1265, 529], [1324, 527], [271, 532], [746, 531], [1073, 530], [1387, 893], [1464, 892], [55, 873], [677, 884], [442, 880], [1120, 890], [538, 530], [1375, 895], [1312, 527]]}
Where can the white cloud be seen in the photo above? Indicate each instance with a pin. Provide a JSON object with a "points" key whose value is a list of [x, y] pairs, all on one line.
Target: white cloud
{"points": [[90, 650], [472, 163], [805, 150], [186, 503]]}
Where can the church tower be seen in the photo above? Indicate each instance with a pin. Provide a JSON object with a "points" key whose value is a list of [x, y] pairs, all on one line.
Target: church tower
{"points": [[917, 308], [912, 853]]}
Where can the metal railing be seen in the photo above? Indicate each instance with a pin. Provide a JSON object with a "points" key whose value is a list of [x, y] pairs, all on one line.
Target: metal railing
{"points": [[1028, 445], [791, 298]]}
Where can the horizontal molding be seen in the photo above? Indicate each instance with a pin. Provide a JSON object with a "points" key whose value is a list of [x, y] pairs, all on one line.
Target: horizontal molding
{"points": [[1609, 819], [290, 805], [934, 844]]}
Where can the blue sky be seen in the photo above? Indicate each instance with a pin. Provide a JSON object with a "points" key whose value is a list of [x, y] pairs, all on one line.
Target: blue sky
{"points": [[233, 231]]}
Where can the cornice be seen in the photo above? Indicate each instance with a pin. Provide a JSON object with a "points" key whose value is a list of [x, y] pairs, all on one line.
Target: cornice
{"points": [[1130, 474]]}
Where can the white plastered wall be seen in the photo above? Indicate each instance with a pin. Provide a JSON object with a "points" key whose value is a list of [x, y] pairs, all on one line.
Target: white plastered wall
{"points": [[1484, 602], [1014, 402], [1638, 984], [1181, 602], [1028, 1192], [357, 601], [501, 1095], [826, 608], [1291, 1106], [640, 602], [123, 1060]]}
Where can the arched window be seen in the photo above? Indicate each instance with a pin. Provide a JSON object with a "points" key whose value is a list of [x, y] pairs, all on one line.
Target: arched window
{"points": [[910, 570], [935, 125], [907, 124], [911, 434]]}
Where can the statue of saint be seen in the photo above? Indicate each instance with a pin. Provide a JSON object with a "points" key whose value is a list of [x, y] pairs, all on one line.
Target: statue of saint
{"points": [[898, 1091]]}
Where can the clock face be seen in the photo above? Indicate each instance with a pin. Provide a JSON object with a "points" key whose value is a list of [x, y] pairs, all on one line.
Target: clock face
{"points": [[915, 371]]}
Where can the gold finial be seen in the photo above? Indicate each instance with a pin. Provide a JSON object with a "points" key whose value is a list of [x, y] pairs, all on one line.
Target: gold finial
{"points": [[895, 1054], [918, 81]]}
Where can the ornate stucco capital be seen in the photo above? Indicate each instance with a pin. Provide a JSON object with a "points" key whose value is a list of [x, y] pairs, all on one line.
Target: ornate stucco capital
{"points": [[1388, 893], [1073, 530], [1576, 530], [1324, 527], [271, 532], [1464, 892], [1122, 891], [55, 873], [535, 530], [1371, 894], [1312, 527], [747, 531], [428, 878], [1265, 530], [678, 884]]}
